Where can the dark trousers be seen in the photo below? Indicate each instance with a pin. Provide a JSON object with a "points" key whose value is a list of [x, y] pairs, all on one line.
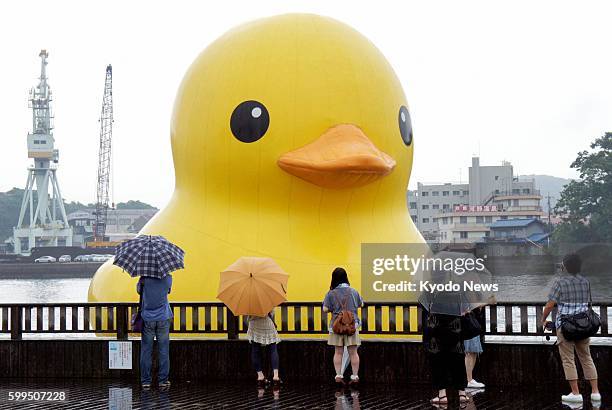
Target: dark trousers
{"points": [[448, 370], [256, 353]]}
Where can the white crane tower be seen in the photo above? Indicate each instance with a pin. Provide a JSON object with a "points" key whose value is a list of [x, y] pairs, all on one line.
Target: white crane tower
{"points": [[46, 224]]}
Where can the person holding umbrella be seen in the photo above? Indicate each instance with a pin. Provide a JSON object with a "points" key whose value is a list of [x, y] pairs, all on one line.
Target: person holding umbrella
{"points": [[152, 258], [254, 286], [442, 340], [262, 333], [446, 325]]}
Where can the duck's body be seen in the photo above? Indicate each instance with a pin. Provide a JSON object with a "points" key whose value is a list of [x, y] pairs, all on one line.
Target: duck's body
{"points": [[319, 165]]}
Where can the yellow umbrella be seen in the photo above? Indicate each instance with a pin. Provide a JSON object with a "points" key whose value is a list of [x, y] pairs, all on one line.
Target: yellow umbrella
{"points": [[253, 286]]}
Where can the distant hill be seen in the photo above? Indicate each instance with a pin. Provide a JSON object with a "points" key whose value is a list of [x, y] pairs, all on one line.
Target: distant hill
{"points": [[548, 185], [10, 203]]}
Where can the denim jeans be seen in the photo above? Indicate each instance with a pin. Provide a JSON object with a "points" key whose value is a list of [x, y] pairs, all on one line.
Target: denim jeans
{"points": [[161, 331], [256, 353]]}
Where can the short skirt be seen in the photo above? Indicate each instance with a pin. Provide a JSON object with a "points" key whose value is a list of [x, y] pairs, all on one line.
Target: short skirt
{"points": [[344, 340], [473, 345]]}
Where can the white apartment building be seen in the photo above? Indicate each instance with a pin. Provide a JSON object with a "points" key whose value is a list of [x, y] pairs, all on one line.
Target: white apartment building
{"points": [[462, 213], [120, 223]]}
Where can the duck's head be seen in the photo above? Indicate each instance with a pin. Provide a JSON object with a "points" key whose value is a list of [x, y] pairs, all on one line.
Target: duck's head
{"points": [[289, 99]]}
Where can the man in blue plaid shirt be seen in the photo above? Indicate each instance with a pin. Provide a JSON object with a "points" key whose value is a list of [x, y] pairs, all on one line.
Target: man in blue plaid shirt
{"points": [[571, 294]]}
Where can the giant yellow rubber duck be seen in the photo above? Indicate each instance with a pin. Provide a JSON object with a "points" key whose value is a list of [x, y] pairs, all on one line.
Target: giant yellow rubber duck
{"points": [[291, 139]]}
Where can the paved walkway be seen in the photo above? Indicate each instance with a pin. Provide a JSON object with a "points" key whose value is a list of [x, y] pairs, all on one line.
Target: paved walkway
{"points": [[184, 395]]}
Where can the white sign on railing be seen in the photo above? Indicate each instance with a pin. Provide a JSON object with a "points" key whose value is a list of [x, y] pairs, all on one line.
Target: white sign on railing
{"points": [[120, 355]]}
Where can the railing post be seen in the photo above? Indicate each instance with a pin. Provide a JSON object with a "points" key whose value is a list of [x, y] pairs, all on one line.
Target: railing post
{"points": [[232, 325], [122, 322], [16, 322]]}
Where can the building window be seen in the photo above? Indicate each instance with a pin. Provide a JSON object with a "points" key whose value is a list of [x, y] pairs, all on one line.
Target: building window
{"points": [[435, 193], [413, 205], [486, 234], [445, 193], [479, 219], [456, 192], [496, 177], [504, 217], [515, 202], [463, 235], [516, 191], [488, 219], [444, 220], [434, 220], [125, 221], [466, 192], [497, 191], [414, 218], [425, 193], [435, 206], [526, 190], [446, 206], [425, 220], [425, 206], [463, 219]]}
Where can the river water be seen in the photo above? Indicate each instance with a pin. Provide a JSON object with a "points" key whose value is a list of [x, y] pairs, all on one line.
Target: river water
{"points": [[512, 288]]}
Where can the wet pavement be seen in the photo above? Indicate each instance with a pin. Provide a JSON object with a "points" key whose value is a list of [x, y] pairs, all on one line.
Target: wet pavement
{"points": [[103, 394]]}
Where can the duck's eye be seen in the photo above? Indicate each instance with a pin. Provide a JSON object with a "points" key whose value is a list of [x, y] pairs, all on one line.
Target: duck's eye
{"points": [[405, 125], [249, 121]]}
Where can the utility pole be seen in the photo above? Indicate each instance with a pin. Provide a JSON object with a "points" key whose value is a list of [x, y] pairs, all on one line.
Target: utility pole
{"points": [[549, 211]]}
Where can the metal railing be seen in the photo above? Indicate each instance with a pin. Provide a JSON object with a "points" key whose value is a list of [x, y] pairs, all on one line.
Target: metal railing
{"points": [[292, 318]]}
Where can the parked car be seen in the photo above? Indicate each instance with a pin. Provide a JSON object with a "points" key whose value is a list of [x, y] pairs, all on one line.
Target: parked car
{"points": [[45, 259], [100, 258], [64, 258], [82, 258]]}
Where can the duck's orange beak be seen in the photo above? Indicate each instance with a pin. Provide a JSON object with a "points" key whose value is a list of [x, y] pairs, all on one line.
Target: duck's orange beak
{"points": [[343, 157]]}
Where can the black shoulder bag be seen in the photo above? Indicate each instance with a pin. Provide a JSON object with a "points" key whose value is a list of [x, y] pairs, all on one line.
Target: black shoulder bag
{"points": [[470, 326], [581, 325]]}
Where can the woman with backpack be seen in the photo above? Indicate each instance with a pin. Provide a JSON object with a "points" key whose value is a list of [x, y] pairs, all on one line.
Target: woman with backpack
{"points": [[261, 333], [343, 301]]}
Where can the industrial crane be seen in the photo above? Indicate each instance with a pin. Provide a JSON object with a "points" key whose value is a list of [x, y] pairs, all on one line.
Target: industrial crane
{"points": [[104, 159]]}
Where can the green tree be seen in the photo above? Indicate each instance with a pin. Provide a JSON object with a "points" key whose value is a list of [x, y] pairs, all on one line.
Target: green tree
{"points": [[134, 205], [586, 204]]}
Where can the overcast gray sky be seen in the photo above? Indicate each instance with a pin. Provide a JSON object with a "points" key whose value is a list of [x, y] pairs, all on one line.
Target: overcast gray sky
{"points": [[529, 82]]}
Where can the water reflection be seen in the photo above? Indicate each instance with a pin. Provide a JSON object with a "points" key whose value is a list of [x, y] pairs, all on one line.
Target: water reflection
{"points": [[120, 398], [155, 399], [347, 401]]}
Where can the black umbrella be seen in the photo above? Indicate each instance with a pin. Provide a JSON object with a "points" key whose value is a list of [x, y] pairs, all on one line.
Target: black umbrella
{"points": [[452, 289]]}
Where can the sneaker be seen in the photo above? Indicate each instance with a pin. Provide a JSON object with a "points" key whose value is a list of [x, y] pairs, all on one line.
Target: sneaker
{"points": [[163, 385], [146, 386], [572, 398], [595, 397], [473, 384], [474, 392]]}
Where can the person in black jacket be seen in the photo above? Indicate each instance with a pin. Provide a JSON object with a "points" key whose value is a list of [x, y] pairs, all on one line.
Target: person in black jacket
{"points": [[442, 340]]}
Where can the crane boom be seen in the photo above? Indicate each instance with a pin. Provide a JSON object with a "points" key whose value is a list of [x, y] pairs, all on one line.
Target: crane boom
{"points": [[104, 158]]}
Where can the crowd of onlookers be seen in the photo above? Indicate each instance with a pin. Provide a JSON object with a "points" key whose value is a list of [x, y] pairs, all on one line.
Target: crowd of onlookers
{"points": [[451, 351]]}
